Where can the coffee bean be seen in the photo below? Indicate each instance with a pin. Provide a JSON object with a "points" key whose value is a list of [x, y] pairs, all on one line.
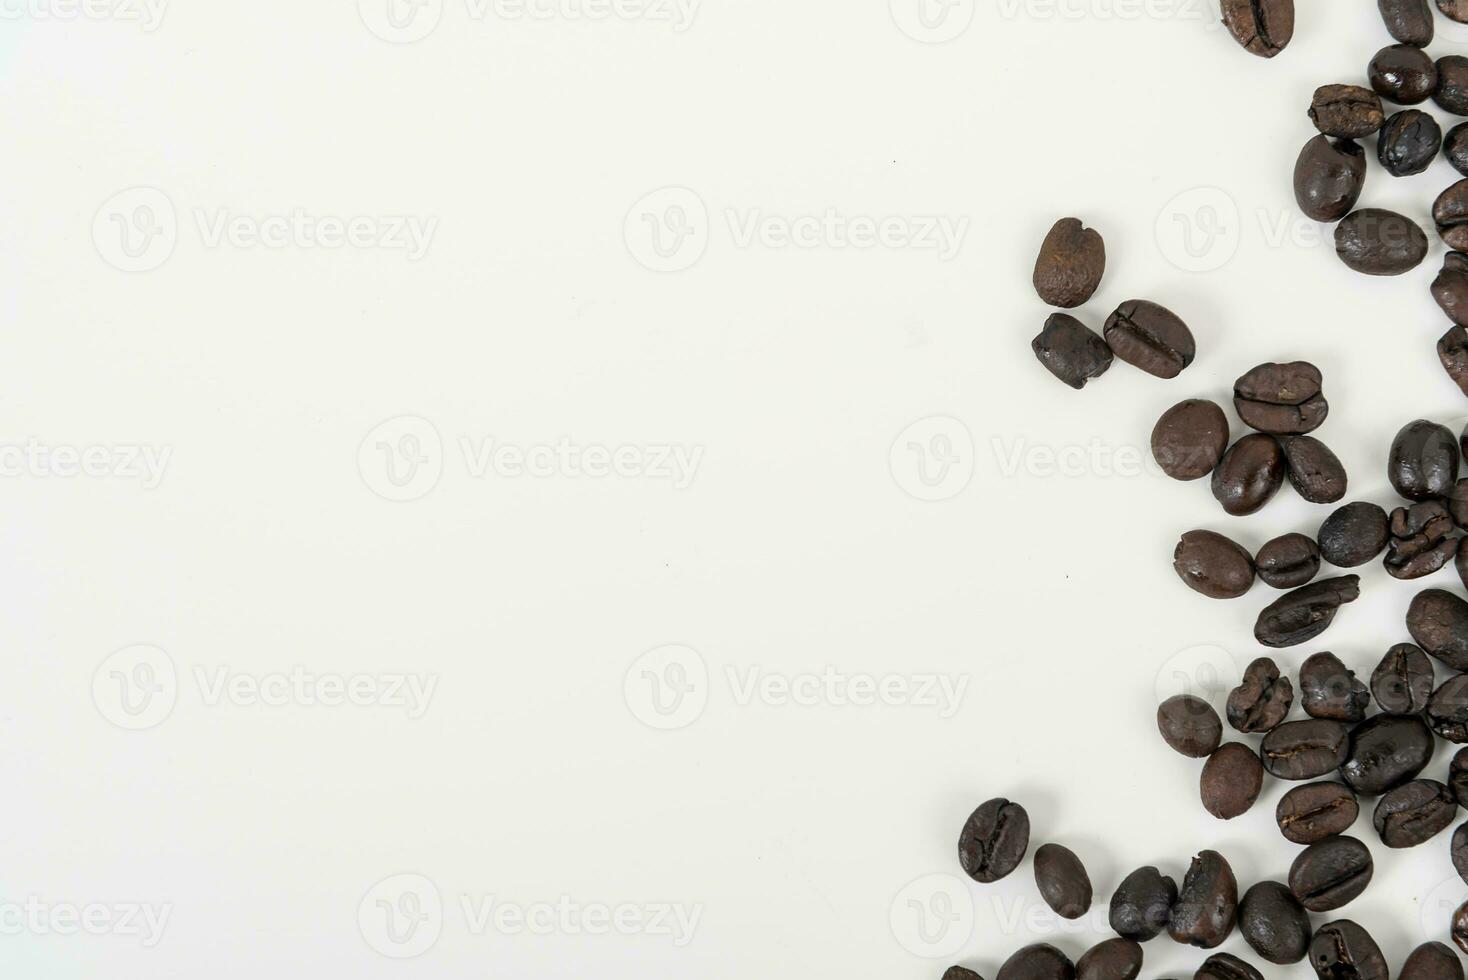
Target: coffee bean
{"points": [[994, 840], [1354, 534], [1403, 73], [1288, 561], [1263, 27], [1225, 966], [1414, 813], [1274, 923], [1281, 399], [1409, 142], [1151, 337], [1232, 779], [1331, 873], [1329, 177], [1342, 950], [1213, 565], [1452, 84], [1403, 681], [1438, 621], [1262, 701], [1113, 959], [1190, 439], [1459, 851], [1329, 689], [1408, 21], [1458, 503], [1249, 475], [1432, 961], [959, 973], [1450, 288], [1190, 725], [1346, 111], [1142, 904], [1062, 880], [1452, 351], [1208, 903], [1377, 242], [1447, 709], [1423, 463], [1459, 923], [1420, 544], [1314, 471], [1450, 214], [1071, 351], [1301, 615], [1299, 750], [1071, 263], [1454, 10], [1038, 962], [1386, 751], [1311, 813], [1455, 148]]}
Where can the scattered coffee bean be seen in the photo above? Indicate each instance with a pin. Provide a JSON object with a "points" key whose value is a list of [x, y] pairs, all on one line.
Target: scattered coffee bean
{"points": [[960, 973], [1354, 534], [1452, 351], [1460, 561], [1288, 561], [1071, 351], [1301, 615], [994, 840], [1190, 725], [1432, 961], [1452, 84], [1414, 813], [1113, 959], [1281, 399], [1071, 263], [1458, 503], [1447, 709], [1331, 873], [1458, 777], [1329, 689], [1408, 21], [1329, 177], [1459, 851], [1423, 462], [1142, 905], [1403, 681], [1455, 148], [1249, 475], [1314, 471], [1386, 751], [1213, 565], [1459, 925], [1038, 962], [1403, 73], [1274, 923], [1208, 903], [1342, 950], [1454, 10], [1346, 111], [1263, 27], [1262, 701], [1420, 544], [1409, 142], [1299, 750], [1377, 242], [1190, 439], [1062, 880], [1225, 966], [1311, 813], [1450, 214], [1438, 621], [1450, 288], [1151, 337], [1232, 780]]}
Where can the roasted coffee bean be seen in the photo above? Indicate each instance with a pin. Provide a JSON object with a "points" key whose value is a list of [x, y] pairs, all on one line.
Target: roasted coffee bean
{"points": [[1408, 21], [1071, 351], [1447, 709], [1346, 111], [1062, 880], [1299, 750], [1460, 561], [1354, 534], [1423, 462], [1225, 966], [1314, 471], [1414, 813], [1459, 925], [1452, 84], [1331, 873], [1305, 613], [1377, 242], [1274, 923], [1432, 961], [1458, 777], [1150, 337], [1232, 779], [1420, 544], [1190, 725], [1311, 813], [1281, 399], [1190, 439], [1458, 503], [1438, 621], [1329, 177], [1454, 10], [1263, 27], [1403, 681], [1208, 904], [1450, 214], [1038, 962], [1409, 142], [1459, 851], [1455, 148], [1142, 905], [1452, 351], [1329, 689], [994, 840], [1213, 565], [1262, 701], [1249, 475], [1342, 950], [1113, 959], [1288, 561], [960, 973], [1385, 752], [1071, 263], [1450, 288], [1403, 73]]}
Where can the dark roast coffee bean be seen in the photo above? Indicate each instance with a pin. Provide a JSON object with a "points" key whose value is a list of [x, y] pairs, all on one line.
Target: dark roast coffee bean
{"points": [[1281, 399], [1452, 351], [1342, 950], [1452, 84], [1298, 750], [1263, 27], [1432, 961], [1447, 709], [1354, 534], [1249, 475], [1305, 613], [1377, 242], [1225, 966], [1438, 621], [1314, 471], [1142, 904], [1329, 689], [1414, 813], [1409, 142], [959, 973], [1403, 681], [1212, 565], [1288, 561], [1458, 503], [1420, 544], [1190, 726], [1450, 288], [1190, 439], [1450, 214], [1408, 21], [1346, 111], [1459, 851], [1150, 337], [1311, 813], [1071, 351], [1459, 924], [1458, 777], [1385, 752], [1403, 73], [1114, 959], [1331, 873], [1038, 962], [1062, 880], [1460, 561], [1071, 263], [1455, 148], [1262, 701], [1208, 904], [994, 840], [1454, 10], [1329, 177], [1232, 779], [1274, 923], [1424, 461]]}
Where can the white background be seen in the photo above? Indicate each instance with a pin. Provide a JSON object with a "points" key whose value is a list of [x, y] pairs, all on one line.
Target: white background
{"points": [[794, 831]]}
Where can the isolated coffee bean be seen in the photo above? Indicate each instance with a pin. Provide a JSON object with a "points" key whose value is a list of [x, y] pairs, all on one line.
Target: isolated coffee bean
{"points": [[1299, 750], [1071, 263], [1226, 966], [1329, 177], [1423, 462], [1450, 214], [1281, 399], [1151, 337], [1455, 148], [1208, 903], [1377, 242], [1038, 962], [1288, 561], [1386, 751], [1232, 780], [960, 973], [1354, 534], [1263, 27], [1454, 10], [1450, 288], [1331, 873], [1213, 565], [1452, 351], [1329, 689], [1314, 471], [1408, 21], [1301, 615], [1142, 904], [1249, 475], [1432, 961], [1062, 880], [1311, 813], [1409, 142], [1190, 725], [1190, 438], [1071, 351], [1447, 709], [1414, 813], [1274, 923], [1403, 681], [1438, 621], [1113, 959], [1420, 544], [1262, 701], [1459, 851], [994, 840], [1403, 73], [1342, 950], [1346, 111]]}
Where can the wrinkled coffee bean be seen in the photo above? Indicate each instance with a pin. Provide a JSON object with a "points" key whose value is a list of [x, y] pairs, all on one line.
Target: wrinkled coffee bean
{"points": [[1454, 10], [1409, 142], [1249, 475], [1190, 725], [1450, 288], [1288, 561], [1213, 565], [1342, 950], [1071, 263], [1262, 701], [1190, 439], [1408, 21], [1311, 813], [1299, 750], [1420, 544], [1329, 177], [1071, 351], [1207, 905], [1452, 84], [1113, 959], [1377, 242], [1226, 966], [1403, 73], [1450, 214], [960, 973], [1142, 905], [1232, 780], [1414, 813], [1305, 613], [1447, 709], [1274, 923], [1346, 111], [1403, 681], [1354, 534], [1281, 399], [1263, 27], [1151, 337], [1458, 777], [1459, 925], [1438, 622], [1452, 351], [1459, 851], [1314, 471], [1038, 962], [1432, 961], [1423, 462], [1386, 751], [1062, 880], [1455, 148], [994, 840], [1331, 873], [1329, 689]]}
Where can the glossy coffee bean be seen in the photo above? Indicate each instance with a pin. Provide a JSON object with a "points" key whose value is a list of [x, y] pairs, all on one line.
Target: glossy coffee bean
{"points": [[1377, 242], [1262, 701], [1423, 462], [1342, 950], [1288, 561], [1314, 471], [1438, 621], [1299, 750], [1281, 399], [1071, 351], [1354, 534], [1408, 21], [1190, 725], [1208, 903], [1190, 438], [1414, 813], [1452, 84], [1459, 927], [1457, 501], [1113, 959], [1450, 214], [1151, 337], [1249, 475], [1226, 966], [1142, 904], [1329, 689], [960, 973], [1403, 73], [1455, 148], [1447, 709], [1346, 111], [1452, 351], [1213, 565], [1432, 961], [1450, 288], [1386, 751], [1274, 923], [1459, 851], [1232, 780], [994, 840], [1300, 616], [1409, 142], [1403, 681], [1038, 962], [1420, 542], [1329, 177], [1331, 873], [1458, 777], [1071, 263], [1311, 813], [1454, 10], [1263, 27], [1062, 880]]}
